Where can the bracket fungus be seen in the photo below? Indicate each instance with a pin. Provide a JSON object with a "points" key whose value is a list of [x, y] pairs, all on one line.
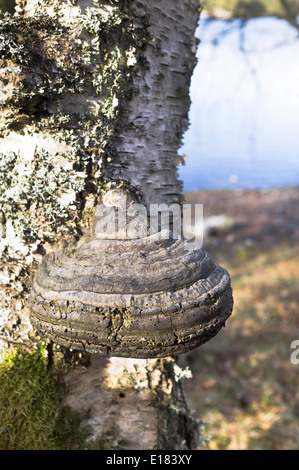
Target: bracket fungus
{"points": [[126, 296]]}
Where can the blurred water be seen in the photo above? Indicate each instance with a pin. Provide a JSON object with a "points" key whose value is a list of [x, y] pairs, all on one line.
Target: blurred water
{"points": [[244, 130]]}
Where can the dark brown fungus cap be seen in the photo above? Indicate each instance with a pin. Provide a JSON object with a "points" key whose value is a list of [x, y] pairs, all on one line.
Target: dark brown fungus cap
{"points": [[142, 298]]}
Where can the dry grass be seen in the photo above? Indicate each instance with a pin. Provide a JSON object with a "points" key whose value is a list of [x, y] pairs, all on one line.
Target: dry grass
{"points": [[244, 386]]}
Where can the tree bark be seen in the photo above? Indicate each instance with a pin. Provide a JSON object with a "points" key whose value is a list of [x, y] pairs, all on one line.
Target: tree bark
{"points": [[133, 404], [93, 93]]}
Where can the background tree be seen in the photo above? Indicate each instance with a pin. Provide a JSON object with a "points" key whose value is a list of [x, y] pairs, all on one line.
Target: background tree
{"points": [[247, 9], [291, 9]]}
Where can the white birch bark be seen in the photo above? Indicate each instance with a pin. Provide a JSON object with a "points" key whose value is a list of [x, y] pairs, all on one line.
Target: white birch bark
{"points": [[92, 94]]}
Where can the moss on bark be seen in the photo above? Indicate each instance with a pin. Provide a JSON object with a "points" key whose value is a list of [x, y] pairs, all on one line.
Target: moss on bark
{"points": [[30, 414]]}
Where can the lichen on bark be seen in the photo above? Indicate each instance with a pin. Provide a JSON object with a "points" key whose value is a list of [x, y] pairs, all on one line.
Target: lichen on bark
{"points": [[64, 71], [92, 93]]}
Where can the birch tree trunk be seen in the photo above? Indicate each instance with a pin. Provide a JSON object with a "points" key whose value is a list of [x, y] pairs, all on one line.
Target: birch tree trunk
{"points": [[93, 93]]}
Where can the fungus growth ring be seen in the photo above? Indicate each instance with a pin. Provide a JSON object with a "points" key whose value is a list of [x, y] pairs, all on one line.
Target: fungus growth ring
{"points": [[142, 298]]}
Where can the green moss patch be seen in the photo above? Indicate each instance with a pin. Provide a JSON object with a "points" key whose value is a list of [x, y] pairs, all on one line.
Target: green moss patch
{"points": [[31, 417]]}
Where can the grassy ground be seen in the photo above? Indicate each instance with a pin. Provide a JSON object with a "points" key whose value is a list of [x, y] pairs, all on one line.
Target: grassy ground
{"points": [[244, 386]]}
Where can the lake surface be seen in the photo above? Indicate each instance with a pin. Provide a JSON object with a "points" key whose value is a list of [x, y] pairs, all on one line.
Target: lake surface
{"points": [[244, 117]]}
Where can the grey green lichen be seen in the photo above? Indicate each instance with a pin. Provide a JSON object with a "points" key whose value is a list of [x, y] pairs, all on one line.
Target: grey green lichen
{"points": [[36, 197], [62, 80], [44, 61]]}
